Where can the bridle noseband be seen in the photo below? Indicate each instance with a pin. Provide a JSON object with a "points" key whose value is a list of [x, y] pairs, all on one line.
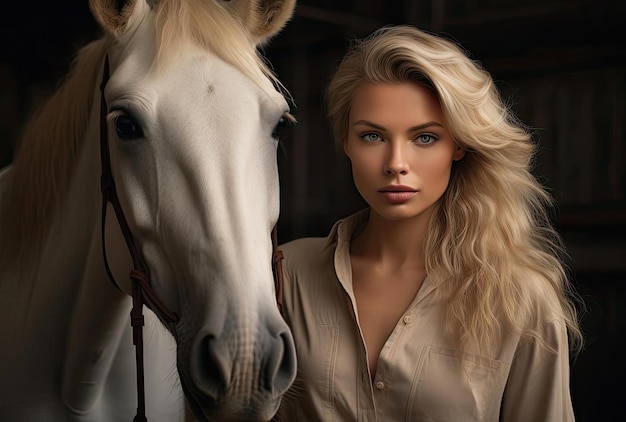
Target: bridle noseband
{"points": [[141, 289]]}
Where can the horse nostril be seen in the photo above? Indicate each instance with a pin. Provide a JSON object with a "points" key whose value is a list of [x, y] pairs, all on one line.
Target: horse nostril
{"points": [[213, 367], [281, 364]]}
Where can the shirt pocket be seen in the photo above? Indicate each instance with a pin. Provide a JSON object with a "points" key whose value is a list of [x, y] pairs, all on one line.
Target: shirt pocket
{"points": [[327, 358], [442, 390], [317, 363]]}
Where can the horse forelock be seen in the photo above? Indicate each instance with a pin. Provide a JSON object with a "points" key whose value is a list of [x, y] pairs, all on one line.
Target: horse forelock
{"points": [[211, 26], [44, 163]]}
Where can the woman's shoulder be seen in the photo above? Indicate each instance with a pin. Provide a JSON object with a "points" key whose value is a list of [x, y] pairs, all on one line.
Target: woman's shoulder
{"points": [[543, 309], [309, 247], [305, 249], [307, 259]]}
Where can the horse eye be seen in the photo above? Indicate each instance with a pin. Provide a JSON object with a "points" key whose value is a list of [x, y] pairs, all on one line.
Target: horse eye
{"points": [[126, 128], [283, 123]]}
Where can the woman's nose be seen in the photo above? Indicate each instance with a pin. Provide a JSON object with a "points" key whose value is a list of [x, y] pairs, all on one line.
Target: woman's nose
{"points": [[397, 160]]}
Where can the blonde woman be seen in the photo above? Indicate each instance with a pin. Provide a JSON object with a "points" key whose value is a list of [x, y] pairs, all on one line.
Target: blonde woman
{"points": [[446, 299]]}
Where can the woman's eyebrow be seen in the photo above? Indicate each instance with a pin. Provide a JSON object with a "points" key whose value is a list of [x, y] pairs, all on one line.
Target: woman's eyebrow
{"points": [[418, 127]]}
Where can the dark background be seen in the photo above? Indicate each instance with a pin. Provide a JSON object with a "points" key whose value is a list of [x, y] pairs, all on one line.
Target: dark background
{"points": [[560, 64]]}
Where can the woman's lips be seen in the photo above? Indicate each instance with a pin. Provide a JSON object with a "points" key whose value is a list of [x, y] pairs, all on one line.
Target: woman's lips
{"points": [[398, 197], [398, 194]]}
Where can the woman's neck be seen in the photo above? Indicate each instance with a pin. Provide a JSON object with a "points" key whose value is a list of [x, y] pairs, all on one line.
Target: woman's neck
{"points": [[392, 243]]}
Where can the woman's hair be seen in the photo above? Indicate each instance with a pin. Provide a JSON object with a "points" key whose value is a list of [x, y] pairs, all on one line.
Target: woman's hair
{"points": [[491, 244]]}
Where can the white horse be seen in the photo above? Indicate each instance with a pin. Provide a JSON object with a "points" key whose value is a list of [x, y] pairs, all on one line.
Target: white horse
{"points": [[192, 115]]}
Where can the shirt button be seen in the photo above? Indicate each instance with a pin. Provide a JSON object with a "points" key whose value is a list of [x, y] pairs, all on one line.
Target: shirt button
{"points": [[406, 319], [380, 385]]}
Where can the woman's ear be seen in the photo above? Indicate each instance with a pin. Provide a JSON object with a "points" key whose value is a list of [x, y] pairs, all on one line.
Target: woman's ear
{"points": [[459, 153], [346, 150]]}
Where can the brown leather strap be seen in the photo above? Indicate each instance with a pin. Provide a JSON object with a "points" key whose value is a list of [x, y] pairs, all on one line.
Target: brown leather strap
{"points": [[277, 269], [139, 276], [137, 322], [109, 195]]}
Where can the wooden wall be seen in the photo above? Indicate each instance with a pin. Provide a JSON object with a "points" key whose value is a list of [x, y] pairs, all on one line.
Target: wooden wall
{"points": [[562, 67]]}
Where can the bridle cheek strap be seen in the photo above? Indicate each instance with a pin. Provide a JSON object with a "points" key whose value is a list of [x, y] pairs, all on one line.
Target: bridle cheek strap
{"points": [[141, 289], [277, 270]]}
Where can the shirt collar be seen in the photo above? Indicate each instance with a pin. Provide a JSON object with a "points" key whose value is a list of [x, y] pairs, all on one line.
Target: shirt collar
{"points": [[342, 232], [345, 229]]}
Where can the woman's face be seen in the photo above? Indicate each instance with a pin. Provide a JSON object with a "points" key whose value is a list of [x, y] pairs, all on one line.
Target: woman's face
{"points": [[400, 149]]}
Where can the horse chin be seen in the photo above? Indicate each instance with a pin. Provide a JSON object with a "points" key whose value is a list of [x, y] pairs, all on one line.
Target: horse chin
{"points": [[228, 408], [231, 412], [236, 414]]}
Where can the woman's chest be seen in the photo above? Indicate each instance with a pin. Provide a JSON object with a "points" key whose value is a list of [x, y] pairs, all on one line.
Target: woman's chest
{"points": [[419, 376], [382, 299]]}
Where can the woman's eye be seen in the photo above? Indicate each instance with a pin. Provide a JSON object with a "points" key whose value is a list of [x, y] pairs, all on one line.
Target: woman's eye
{"points": [[426, 139], [371, 137], [126, 128]]}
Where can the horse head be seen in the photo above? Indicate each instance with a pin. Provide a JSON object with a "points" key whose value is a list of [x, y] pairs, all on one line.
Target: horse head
{"points": [[193, 117]]}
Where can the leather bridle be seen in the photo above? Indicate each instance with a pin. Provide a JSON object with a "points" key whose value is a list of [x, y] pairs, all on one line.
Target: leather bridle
{"points": [[141, 289]]}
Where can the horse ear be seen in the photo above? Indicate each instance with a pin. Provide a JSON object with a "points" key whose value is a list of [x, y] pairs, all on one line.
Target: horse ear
{"points": [[113, 15], [263, 18]]}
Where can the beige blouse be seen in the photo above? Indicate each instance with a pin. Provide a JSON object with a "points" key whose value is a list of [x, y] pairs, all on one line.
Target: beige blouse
{"points": [[418, 377]]}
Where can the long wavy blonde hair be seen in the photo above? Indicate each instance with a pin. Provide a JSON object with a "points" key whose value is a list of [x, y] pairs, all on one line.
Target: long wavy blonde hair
{"points": [[491, 244]]}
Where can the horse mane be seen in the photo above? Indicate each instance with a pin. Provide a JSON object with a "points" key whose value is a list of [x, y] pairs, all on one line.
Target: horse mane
{"points": [[45, 159]]}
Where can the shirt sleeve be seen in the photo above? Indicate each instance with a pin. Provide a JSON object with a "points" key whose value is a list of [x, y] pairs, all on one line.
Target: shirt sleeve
{"points": [[538, 384]]}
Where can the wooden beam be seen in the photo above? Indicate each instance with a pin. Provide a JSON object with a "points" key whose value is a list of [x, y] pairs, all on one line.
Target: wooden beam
{"points": [[338, 18], [536, 11]]}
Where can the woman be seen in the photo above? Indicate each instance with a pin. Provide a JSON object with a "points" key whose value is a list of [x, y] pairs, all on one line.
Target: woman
{"points": [[446, 299]]}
